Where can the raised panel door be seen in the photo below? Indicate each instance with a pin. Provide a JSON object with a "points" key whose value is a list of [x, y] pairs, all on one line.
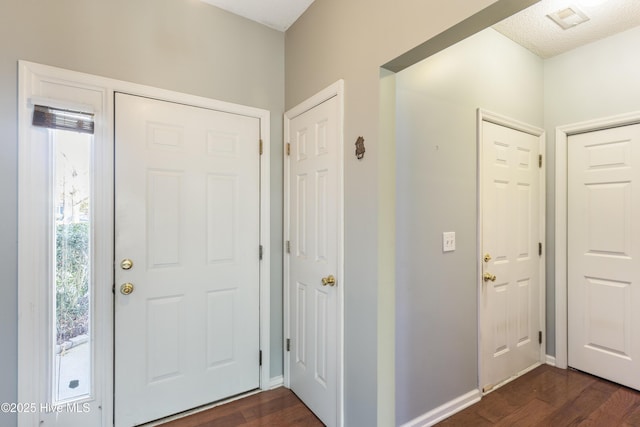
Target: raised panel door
{"points": [[313, 238], [187, 214], [510, 301], [602, 250]]}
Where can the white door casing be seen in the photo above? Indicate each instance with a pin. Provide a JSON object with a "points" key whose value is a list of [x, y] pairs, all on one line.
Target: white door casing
{"points": [[313, 230], [603, 273], [187, 213], [52, 87], [511, 209]]}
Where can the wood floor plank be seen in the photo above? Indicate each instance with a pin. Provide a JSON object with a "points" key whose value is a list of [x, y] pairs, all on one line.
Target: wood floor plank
{"points": [[530, 415], [280, 404], [546, 396], [278, 407], [292, 416], [496, 408], [553, 397], [203, 419], [467, 417], [633, 419], [614, 411], [579, 407], [534, 384], [561, 388]]}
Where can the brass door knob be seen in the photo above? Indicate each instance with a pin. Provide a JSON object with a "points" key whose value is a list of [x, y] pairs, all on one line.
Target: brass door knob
{"points": [[489, 277], [126, 288], [329, 280]]}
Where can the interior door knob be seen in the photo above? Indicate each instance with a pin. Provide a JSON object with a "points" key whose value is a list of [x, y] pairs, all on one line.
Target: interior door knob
{"points": [[489, 277], [126, 288], [329, 280]]}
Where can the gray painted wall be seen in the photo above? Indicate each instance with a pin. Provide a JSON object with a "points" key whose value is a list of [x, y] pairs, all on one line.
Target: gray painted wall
{"points": [[186, 46], [593, 81], [436, 292], [437, 161], [351, 40]]}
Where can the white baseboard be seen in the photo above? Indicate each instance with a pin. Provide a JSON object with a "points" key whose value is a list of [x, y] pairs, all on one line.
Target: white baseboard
{"points": [[276, 382], [444, 411], [550, 360]]}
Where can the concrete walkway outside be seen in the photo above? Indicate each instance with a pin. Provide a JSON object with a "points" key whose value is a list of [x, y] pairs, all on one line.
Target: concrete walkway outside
{"points": [[73, 372]]}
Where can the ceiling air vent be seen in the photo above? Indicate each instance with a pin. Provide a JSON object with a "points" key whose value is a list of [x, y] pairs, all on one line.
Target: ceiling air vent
{"points": [[568, 17]]}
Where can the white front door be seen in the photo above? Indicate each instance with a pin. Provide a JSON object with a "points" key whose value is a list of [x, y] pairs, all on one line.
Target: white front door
{"points": [[511, 232], [313, 260], [187, 216], [603, 254]]}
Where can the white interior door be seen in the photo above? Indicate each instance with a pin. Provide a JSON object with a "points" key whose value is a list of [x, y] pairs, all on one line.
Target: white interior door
{"points": [[313, 260], [602, 253], [187, 215], [511, 232]]}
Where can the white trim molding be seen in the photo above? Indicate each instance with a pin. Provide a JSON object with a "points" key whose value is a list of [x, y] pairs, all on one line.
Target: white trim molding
{"points": [[337, 90], [276, 382], [562, 138], [446, 410], [37, 82], [550, 360], [35, 246]]}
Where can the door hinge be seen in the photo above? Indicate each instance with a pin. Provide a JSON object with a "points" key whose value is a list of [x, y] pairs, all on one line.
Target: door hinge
{"points": [[260, 146], [539, 337], [288, 344], [288, 149], [539, 160], [288, 247], [113, 289], [260, 358], [261, 252], [539, 248]]}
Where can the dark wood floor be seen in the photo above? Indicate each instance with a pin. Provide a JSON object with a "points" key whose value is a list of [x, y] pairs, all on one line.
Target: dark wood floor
{"points": [[279, 407], [546, 396], [549, 396]]}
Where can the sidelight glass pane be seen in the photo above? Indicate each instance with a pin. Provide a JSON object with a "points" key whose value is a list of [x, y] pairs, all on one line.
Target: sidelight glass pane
{"points": [[72, 353]]}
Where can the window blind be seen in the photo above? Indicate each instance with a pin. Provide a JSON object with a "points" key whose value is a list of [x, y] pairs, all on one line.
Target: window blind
{"points": [[56, 118]]}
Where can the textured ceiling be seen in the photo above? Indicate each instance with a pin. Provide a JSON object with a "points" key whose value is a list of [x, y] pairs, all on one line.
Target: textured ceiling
{"points": [[277, 14], [532, 28]]}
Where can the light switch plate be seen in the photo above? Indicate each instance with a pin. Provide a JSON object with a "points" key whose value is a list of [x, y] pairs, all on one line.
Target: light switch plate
{"points": [[448, 241]]}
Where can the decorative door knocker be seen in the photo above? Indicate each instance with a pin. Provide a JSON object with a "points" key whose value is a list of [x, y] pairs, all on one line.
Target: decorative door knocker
{"points": [[360, 148]]}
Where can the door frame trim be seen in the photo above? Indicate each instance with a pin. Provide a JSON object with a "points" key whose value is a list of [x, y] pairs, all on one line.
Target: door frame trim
{"points": [[34, 314], [562, 137], [334, 90], [30, 341], [498, 119]]}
